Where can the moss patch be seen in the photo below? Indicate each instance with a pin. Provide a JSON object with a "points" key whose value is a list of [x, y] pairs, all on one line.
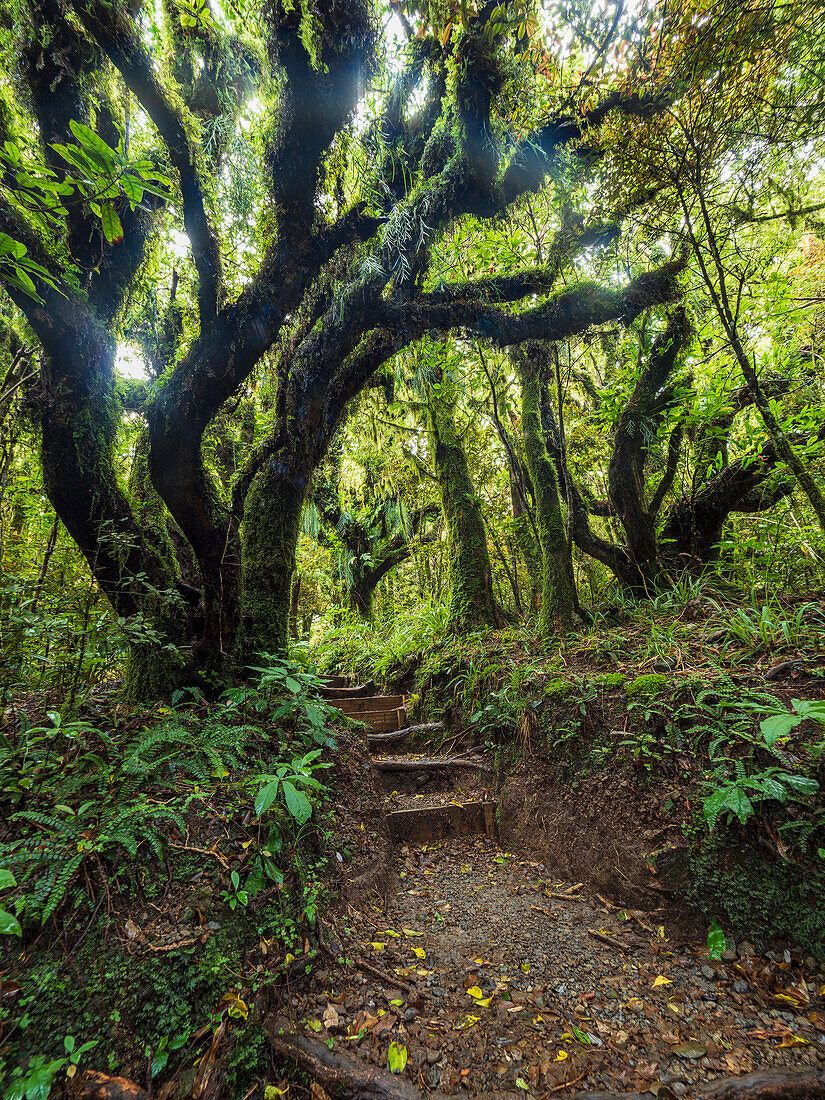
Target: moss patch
{"points": [[753, 896], [650, 684]]}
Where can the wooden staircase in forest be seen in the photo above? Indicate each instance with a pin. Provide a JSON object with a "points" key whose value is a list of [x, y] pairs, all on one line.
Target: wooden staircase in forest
{"points": [[427, 798]]}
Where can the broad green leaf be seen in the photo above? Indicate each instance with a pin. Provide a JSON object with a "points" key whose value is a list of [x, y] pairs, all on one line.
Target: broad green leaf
{"points": [[10, 247], [132, 187], [738, 803], [19, 279], [810, 708], [93, 143], [112, 228], [266, 796], [801, 783], [7, 879], [778, 725], [9, 925], [297, 803], [716, 941], [771, 788]]}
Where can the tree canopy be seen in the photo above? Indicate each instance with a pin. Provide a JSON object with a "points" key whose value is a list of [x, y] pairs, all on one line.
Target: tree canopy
{"points": [[274, 214]]}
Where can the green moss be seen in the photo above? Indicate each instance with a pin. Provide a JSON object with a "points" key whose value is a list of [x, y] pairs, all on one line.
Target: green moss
{"points": [[557, 593], [755, 896], [558, 689], [611, 680], [269, 535], [650, 684], [470, 573]]}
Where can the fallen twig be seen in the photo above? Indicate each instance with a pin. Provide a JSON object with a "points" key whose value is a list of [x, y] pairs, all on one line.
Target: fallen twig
{"points": [[607, 939], [390, 979]]}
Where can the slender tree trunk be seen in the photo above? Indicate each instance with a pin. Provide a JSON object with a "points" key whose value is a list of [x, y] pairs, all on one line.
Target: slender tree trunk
{"points": [[469, 572], [360, 597], [558, 597], [718, 291]]}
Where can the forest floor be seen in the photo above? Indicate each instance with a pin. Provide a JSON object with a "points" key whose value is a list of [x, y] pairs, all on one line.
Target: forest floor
{"points": [[526, 986], [562, 948]]}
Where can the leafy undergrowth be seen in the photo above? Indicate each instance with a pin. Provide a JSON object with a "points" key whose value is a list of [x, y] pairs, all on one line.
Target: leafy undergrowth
{"points": [[162, 875], [703, 715]]}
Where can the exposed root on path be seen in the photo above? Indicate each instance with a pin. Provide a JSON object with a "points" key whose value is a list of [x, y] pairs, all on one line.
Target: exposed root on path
{"points": [[340, 1075], [776, 1085]]}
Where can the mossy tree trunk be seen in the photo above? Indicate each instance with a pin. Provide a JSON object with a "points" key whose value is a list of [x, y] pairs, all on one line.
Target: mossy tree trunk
{"points": [[558, 595], [471, 599], [269, 535], [127, 553]]}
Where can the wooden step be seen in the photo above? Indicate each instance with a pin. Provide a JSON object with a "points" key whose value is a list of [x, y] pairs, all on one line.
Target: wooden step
{"points": [[351, 692], [422, 825], [336, 681], [407, 775], [383, 721], [378, 742], [370, 704]]}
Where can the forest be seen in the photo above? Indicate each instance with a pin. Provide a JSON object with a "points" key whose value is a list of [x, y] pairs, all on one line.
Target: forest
{"points": [[412, 528]]}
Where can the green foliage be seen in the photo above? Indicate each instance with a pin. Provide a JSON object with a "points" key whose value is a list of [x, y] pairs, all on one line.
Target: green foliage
{"points": [[739, 794], [383, 650], [288, 692], [649, 684], [729, 879], [77, 805]]}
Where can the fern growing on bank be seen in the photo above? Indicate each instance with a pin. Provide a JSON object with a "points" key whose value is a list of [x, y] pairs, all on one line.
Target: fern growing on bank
{"points": [[48, 858]]}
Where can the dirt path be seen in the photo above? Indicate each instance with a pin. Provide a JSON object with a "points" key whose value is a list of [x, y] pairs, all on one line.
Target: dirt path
{"points": [[515, 995], [518, 984]]}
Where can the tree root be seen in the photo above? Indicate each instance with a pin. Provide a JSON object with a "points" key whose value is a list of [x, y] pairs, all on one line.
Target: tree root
{"points": [[767, 1085], [90, 1085], [341, 1075]]}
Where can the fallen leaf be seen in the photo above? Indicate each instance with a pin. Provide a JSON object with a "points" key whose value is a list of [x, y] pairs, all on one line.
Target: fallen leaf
{"points": [[560, 1057], [419, 952], [661, 980], [397, 1056], [378, 946], [466, 1021], [691, 1050], [791, 1040]]}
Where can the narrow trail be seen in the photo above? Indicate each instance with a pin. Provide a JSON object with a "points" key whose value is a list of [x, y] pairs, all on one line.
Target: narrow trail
{"points": [[502, 981]]}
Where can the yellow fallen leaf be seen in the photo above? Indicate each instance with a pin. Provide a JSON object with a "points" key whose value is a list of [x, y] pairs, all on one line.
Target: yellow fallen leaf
{"points": [[419, 953], [378, 946], [793, 1040], [560, 1057], [466, 1021], [411, 932], [662, 980], [394, 935], [475, 991], [483, 1002]]}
